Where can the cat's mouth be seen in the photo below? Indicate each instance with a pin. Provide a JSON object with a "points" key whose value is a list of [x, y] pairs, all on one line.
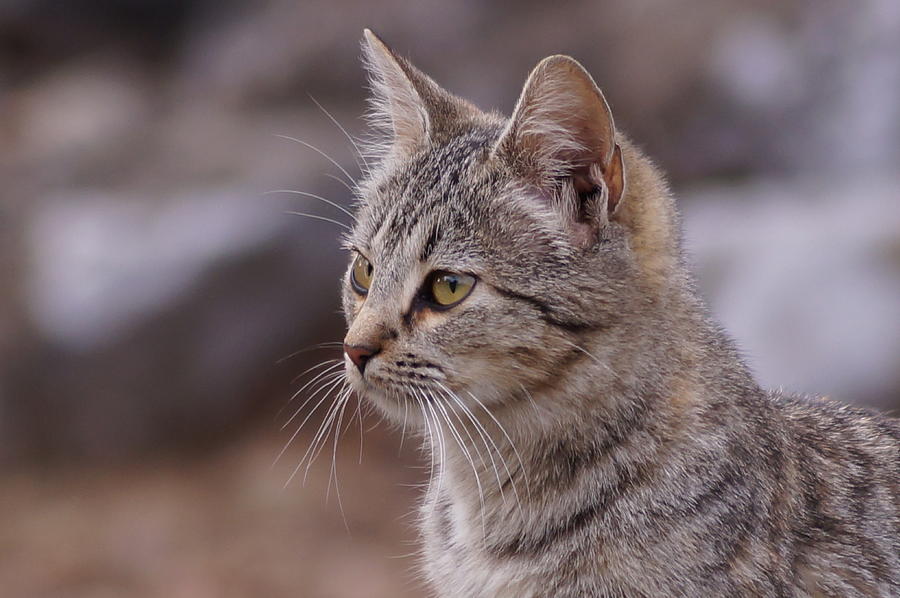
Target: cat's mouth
{"points": [[404, 377], [379, 387], [398, 396]]}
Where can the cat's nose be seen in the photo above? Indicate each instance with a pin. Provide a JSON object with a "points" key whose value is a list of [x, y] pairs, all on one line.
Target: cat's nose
{"points": [[360, 355]]}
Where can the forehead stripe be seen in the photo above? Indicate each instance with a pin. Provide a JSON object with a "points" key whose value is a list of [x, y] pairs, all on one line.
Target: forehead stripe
{"points": [[428, 248]]}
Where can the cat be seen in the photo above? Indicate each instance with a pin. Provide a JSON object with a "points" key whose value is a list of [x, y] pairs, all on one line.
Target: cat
{"points": [[518, 294]]}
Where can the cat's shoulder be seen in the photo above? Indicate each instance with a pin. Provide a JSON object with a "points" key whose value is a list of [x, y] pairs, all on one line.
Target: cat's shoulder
{"points": [[824, 416]]}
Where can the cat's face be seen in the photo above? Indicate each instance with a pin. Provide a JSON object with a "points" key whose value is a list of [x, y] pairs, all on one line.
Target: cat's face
{"points": [[471, 280], [440, 262]]}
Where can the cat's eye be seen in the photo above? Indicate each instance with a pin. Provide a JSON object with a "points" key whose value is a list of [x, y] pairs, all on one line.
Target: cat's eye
{"points": [[361, 274], [448, 289]]}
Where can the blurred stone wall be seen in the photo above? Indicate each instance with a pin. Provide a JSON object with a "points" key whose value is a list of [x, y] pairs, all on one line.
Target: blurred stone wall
{"points": [[150, 286]]}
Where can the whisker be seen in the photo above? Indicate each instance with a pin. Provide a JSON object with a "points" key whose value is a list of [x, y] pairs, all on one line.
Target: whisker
{"points": [[592, 356], [326, 371], [344, 131], [321, 153], [443, 454], [309, 415], [325, 377], [325, 345], [334, 473], [435, 490], [341, 181], [509, 440], [321, 438], [431, 441], [462, 446], [313, 196], [332, 362], [462, 423], [479, 429], [359, 415], [341, 224], [534, 404], [403, 428], [323, 425], [485, 437], [323, 428]]}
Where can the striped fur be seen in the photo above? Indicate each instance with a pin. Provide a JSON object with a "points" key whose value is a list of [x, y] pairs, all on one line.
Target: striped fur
{"points": [[591, 431]]}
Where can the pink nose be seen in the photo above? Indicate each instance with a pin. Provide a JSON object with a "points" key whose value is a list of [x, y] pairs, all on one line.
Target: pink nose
{"points": [[360, 355]]}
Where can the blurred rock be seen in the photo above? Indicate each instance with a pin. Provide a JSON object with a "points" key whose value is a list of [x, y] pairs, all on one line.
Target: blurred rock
{"points": [[59, 116], [100, 266], [805, 274], [144, 341]]}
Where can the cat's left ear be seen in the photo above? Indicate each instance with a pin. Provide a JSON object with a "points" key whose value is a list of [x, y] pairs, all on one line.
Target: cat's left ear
{"points": [[406, 104], [562, 128]]}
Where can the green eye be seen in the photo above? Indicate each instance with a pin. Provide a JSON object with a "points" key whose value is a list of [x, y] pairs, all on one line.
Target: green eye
{"points": [[361, 275], [449, 289]]}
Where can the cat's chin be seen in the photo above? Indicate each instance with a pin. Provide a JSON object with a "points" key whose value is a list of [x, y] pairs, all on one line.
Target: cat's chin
{"points": [[391, 404], [394, 407]]}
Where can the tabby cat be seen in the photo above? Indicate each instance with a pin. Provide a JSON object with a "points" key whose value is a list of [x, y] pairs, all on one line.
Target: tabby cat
{"points": [[518, 295]]}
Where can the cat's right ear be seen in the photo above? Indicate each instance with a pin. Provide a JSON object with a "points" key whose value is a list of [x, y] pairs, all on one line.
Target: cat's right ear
{"points": [[406, 105]]}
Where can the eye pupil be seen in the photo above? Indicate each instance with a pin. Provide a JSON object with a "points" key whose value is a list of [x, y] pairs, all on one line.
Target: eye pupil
{"points": [[368, 269], [446, 288]]}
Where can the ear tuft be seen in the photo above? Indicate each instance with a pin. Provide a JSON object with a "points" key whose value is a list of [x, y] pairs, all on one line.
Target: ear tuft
{"points": [[406, 105], [395, 106]]}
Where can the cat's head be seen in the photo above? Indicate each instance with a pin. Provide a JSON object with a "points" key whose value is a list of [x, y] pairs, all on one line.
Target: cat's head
{"points": [[490, 253]]}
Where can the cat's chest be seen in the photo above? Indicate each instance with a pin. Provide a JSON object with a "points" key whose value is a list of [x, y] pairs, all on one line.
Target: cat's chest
{"points": [[469, 573], [465, 557], [459, 564]]}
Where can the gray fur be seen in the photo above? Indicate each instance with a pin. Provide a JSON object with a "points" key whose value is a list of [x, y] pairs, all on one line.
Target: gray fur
{"points": [[593, 432]]}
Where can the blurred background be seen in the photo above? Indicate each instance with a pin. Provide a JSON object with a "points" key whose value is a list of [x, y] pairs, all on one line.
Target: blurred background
{"points": [[151, 292]]}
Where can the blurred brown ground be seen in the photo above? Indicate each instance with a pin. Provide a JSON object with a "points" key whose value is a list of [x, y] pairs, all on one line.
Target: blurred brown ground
{"points": [[221, 524], [149, 289]]}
